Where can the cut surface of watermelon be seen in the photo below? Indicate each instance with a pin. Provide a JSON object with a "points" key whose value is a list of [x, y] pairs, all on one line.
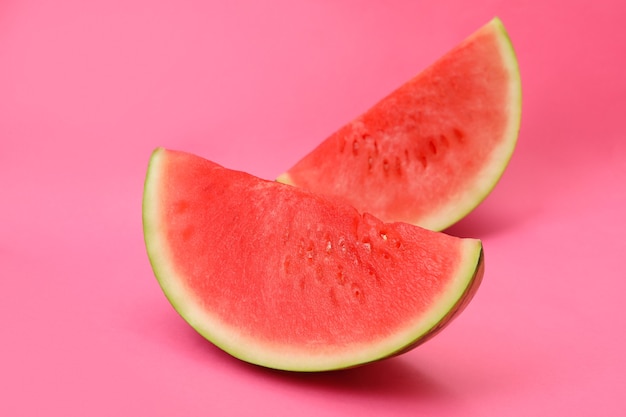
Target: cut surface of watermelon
{"points": [[284, 278], [433, 149]]}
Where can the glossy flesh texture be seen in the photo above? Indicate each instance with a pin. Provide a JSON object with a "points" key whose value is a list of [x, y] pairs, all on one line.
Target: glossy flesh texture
{"points": [[433, 149], [287, 279]]}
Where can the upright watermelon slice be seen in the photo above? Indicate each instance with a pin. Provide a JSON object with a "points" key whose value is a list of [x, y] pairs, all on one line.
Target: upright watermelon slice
{"points": [[433, 149], [284, 278]]}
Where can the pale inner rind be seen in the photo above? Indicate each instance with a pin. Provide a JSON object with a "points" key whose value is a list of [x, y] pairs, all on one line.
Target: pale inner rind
{"points": [[492, 171]]}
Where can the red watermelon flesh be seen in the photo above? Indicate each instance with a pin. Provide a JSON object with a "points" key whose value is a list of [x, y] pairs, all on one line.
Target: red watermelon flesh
{"points": [[281, 277], [433, 149]]}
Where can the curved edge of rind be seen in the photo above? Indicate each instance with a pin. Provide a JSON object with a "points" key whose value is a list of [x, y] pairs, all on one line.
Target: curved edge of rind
{"points": [[456, 309], [157, 254], [156, 247], [494, 171], [508, 50], [469, 276], [147, 216], [181, 299]]}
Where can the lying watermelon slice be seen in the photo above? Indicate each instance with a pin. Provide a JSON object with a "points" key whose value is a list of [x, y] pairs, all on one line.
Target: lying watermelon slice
{"points": [[287, 279], [433, 149]]}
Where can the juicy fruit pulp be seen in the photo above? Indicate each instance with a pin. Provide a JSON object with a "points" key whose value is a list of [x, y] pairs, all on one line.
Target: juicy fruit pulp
{"points": [[284, 278], [432, 150]]}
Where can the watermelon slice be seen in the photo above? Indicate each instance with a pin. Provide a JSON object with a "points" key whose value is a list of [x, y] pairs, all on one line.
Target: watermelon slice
{"points": [[433, 149], [281, 277]]}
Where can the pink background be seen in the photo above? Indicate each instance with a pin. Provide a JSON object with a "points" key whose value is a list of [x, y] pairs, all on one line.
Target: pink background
{"points": [[89, 88]]}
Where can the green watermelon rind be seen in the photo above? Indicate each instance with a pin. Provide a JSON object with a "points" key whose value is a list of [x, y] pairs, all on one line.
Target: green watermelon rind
{"points": [[461, 290]]}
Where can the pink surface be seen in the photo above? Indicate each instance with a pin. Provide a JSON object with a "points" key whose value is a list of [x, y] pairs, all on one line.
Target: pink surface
{"points": [[88, 89]]}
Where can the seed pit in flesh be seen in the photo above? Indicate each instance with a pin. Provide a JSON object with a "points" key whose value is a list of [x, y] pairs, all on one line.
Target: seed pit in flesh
{"points": [[372, 273], [355, 147], [459, 135], [367, 245], [342, 145], [342, 245], [287, 263], [433, 147], [356, 291], [340, 276], [423, 160]]}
